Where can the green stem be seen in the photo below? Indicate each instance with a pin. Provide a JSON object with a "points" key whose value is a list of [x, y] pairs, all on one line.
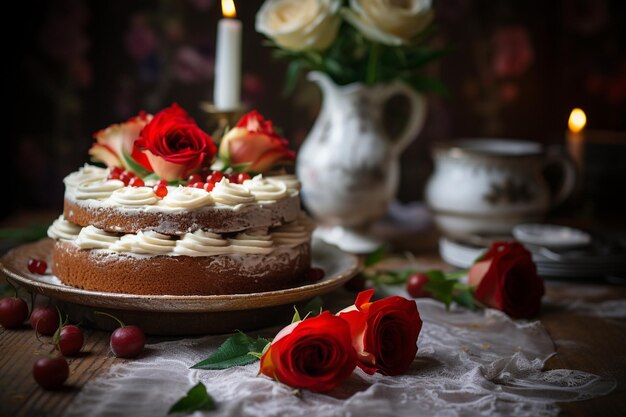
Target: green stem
{"points": [[456, 274], [372, 64], [112, 316]]}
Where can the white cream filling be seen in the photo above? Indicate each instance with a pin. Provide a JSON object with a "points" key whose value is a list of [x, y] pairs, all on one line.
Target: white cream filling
{"points": [[62, 229]]}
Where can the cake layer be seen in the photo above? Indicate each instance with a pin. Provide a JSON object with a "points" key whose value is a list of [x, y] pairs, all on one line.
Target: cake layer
{"points": [[108, 271]]}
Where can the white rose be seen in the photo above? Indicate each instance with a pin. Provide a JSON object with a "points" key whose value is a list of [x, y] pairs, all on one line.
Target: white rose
{"points": [[392, 22], [300, 24]]}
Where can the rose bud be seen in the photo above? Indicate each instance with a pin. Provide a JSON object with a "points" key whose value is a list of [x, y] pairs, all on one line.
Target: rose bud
{"points": [[116, 140], [384, 332], [506, 278], [173, 146], [315, 353], [253, 145]]}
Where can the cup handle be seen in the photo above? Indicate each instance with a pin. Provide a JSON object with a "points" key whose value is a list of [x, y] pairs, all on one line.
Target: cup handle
{"points": [[417, 114], [557, 157]]}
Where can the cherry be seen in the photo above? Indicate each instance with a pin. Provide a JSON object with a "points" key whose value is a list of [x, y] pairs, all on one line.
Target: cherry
{"points": [[162, 183], [126, 341], [13, 312], [45, 320], [37, 266], [126, 177], [314, 274], [136, 182], [356, 284], [51, 373], [415, 285], [215, 177], [115, 173], [208, 187], [70, 340], [199, 184], [242, 176], [160, 190], [194, 178]]}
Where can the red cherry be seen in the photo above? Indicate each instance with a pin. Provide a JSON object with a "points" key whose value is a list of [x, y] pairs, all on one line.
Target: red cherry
{"points": [[233, 177], [197, 185], [70, 340], [415, 285], [314, 274], [356, 284], [160, 190], [51, 373], [215, 177], [45, 320], [136, 182], [127, 341], [194, 178], [115, 173], [13, 312], [162, 183], [37, 266], [208, 187], [242, 176]]}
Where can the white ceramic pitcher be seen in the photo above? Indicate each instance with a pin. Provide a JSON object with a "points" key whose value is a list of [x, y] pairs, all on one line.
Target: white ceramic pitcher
{"points": [[348, 165]]}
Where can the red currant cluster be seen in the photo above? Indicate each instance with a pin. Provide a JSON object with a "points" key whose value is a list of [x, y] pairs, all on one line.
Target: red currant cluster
{"points": [[208, 183], [129, 178]]}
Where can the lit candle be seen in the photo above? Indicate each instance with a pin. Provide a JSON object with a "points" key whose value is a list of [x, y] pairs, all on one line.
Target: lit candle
{"points": [[227, 88], [575, 136]]}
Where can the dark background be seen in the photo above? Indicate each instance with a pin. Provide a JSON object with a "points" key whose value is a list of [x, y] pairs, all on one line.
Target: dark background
{"points": [[516, 69]]}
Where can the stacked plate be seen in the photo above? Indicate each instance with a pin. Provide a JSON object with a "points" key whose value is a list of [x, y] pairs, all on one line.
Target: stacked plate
{"points": [[557, 251]]}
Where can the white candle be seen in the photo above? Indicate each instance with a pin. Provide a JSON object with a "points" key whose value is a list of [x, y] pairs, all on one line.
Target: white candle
{"points": [[227, 88], [575, 137]]}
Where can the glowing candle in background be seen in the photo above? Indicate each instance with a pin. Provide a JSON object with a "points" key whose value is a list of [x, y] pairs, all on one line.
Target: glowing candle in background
{"points": [[227, 87], [575, 136]]}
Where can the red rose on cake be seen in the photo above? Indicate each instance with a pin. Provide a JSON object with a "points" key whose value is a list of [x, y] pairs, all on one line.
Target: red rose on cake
{"points": [[315, 353], [254, 146], [173, 146], [114, 145], [506, 278], [384, 332]]}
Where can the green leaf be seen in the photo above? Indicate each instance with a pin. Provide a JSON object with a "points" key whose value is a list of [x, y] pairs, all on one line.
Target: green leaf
{"points": [[464, 297], [439, 287], [291, 78], [197, 399], [374, 257], [134, 165], [233, 352], [296, 315], [313, 307]]}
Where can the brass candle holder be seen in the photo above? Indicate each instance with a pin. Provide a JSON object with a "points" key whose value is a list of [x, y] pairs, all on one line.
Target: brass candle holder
{"points": [[218, 121]]}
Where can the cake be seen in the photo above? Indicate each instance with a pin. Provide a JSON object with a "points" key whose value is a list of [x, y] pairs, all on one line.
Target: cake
{"points": [[169, 214]]}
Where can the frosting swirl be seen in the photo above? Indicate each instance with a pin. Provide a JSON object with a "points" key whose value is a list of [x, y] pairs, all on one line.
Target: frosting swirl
{"points": [[93, 238], [150, 242], [134, 196], [124, 244], [259, 243], [201, 243], [291, 181], [187, 197], [231, 194], [291, 234], [97, 190], [265, 190], [87, 173], [62, 229]]}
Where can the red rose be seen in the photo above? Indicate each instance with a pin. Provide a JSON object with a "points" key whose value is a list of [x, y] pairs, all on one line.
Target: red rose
{"points": [[384, 332], [506, 279], [173, 146], [115, 143], [315, 353], [253, 145]]}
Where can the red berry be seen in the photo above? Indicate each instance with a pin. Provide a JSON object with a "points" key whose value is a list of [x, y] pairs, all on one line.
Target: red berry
{"points": [[160, 190], [51, 373], [242, 176], [233, 177], [127, 341], [415, 285], [37, 266], [13, 312], [70, 340], [45, 320], [356, 284], [314, 274], [194, 178], [197, 185], [215, 177], [115, 173], [208, 187], [162, 183], [136, 182]]}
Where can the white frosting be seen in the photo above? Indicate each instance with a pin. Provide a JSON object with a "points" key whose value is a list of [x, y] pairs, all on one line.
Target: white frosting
{"points": [[124, 244], [152, 243], [186, 197], [62, 229], [258, 242], [200, 243], [88, 173], [291, 181], [98, 190], [134, 196], [231, 194], [292, 234], [91, 237], [265, 190]]}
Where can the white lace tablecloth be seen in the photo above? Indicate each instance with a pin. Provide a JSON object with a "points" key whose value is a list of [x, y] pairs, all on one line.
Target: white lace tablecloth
{"points": [[468, 364]]}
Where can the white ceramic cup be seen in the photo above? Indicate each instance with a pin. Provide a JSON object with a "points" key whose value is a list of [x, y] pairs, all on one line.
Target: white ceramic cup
{"points": [[488, 186]]}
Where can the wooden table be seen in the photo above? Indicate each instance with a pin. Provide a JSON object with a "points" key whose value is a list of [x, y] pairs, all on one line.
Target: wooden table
{"points": [[592, 344]]}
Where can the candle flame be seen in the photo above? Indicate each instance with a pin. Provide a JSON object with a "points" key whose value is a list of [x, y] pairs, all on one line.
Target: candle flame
{"points": [[228, 8], [577, 120]]}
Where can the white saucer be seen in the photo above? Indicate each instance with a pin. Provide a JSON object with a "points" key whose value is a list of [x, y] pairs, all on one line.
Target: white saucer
{"points": [[551, 236]]}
